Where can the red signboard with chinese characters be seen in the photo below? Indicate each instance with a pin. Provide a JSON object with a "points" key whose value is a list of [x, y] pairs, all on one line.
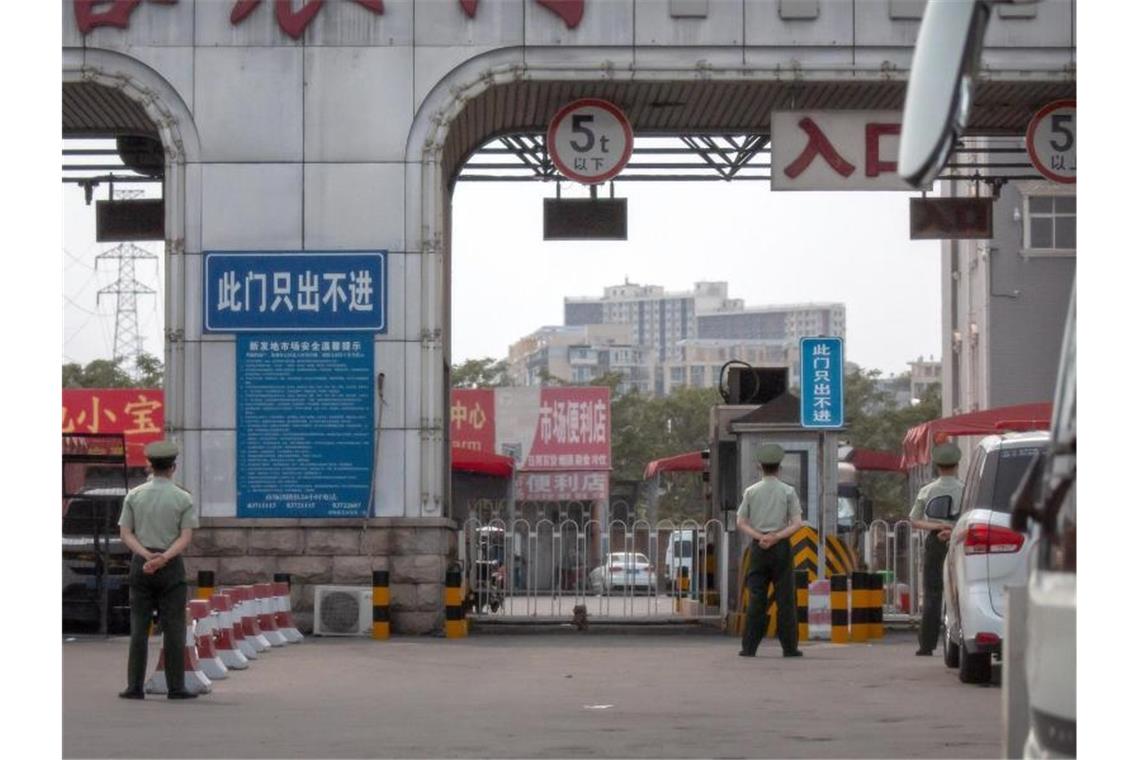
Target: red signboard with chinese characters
{"points": [[573, 430], [473, 419], [135, 412]]}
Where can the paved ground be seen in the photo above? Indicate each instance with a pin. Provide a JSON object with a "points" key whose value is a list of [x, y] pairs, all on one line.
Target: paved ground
{"points": [[551, 695]]}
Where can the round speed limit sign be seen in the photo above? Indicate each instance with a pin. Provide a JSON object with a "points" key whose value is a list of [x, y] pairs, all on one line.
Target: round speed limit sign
{"points": [[590, 140], [1052, 141]]}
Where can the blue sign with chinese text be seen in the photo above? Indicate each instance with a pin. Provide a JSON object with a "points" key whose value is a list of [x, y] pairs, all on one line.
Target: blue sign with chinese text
{"points": [[305, 411], [269, 291], [821, 382]]}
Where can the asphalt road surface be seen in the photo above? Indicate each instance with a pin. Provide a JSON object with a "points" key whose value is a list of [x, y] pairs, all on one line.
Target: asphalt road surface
{"points": [[557, 694]]}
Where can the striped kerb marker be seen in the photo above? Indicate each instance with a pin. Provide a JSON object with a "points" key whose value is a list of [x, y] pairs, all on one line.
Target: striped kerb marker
{"points": [[860, 611], [455, 627], [283, 608], [224, 638], [877, 599], [839, 609], [381, 605], [205, 584], [802, 603]]}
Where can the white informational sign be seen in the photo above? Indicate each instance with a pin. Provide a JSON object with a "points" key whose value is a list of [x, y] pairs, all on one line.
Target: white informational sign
{"points": [[590, 140], [1051, 141], [836, 150]]}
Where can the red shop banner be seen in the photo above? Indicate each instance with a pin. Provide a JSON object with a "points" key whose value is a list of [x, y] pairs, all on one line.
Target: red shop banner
{"points": [[137, 413], [573, 430], [473, 419]]}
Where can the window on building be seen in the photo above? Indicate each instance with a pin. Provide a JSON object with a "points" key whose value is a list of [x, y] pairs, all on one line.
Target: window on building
{"points": [[676, 375], [697, 376], [1050, 223]]}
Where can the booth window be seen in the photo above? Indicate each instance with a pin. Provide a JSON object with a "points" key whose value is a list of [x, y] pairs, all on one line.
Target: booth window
{"points": [[1049, 224]]}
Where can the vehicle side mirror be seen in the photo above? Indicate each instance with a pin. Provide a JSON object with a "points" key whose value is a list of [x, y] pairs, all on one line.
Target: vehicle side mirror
{"points": [[939, 508], [938, 94]]}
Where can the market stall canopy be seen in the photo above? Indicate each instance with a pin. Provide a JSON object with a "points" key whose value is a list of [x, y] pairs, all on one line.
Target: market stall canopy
{"points": [[922, 438], [694, 461], [481, 463]]}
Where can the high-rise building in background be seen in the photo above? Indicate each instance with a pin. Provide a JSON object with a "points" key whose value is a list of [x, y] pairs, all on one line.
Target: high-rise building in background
{"points": [[658, 341]]}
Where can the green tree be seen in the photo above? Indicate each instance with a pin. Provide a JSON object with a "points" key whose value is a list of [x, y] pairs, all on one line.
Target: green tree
{"points": [[108, 373], [874, 423], [480, 373]]}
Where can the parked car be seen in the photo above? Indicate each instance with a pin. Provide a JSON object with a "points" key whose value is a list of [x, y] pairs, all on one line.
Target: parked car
{"points": [[623, 571], [87, 564], [986, 554]]}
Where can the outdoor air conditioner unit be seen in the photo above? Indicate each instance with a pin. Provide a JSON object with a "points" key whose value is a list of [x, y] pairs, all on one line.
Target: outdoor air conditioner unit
{"points": [[342, 611]]}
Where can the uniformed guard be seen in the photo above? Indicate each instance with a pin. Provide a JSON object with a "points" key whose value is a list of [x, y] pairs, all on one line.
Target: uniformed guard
{"points": [[156, 524], [945, 458], [770, 514]]}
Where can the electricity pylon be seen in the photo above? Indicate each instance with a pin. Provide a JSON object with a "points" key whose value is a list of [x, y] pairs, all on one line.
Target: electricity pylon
{"points": [[126, 289]]}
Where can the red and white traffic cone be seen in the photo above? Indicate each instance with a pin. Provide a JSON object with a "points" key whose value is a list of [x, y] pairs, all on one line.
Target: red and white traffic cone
{"points": [[245, 646], [249, 625], [266, 620], [224, 638], [205, 624], [283, 613], [196, 682]]}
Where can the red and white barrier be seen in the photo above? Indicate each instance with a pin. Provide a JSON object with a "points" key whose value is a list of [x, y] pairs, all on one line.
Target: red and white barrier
{"points": [[266, 619], [819, 610], [225, 641], [197, 682], [245, 646], [249, 620], [283, 613], [205, 624]]}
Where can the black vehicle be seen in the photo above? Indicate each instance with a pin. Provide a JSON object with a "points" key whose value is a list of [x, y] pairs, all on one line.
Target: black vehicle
{"points": [[95, 563]]}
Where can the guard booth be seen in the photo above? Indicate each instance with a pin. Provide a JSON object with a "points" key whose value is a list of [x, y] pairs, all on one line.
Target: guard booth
{"points": [[810, 465], [95, 560]]}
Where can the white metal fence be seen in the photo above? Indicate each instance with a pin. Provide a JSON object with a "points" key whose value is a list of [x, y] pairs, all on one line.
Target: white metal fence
{"points": [[544, 568]]}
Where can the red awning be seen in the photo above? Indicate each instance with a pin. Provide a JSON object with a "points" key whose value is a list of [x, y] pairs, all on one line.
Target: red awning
{"points": [[481, 463], [691, 462], [921, 438], [869, 460]]}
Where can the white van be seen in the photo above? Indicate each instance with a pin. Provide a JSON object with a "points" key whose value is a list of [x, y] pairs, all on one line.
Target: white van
{"points": [[680, 553]]}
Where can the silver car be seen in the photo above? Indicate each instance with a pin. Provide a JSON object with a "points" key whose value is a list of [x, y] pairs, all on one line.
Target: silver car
{"points": [[624, 571], [985, 554]]}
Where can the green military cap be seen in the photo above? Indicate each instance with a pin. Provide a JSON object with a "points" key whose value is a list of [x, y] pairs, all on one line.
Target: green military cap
{"points": [[947, 454], [770, 453], [161, 450]]}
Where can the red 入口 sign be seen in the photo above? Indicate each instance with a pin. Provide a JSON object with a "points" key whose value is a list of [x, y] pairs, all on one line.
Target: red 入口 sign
{"points": [[137, 413]]}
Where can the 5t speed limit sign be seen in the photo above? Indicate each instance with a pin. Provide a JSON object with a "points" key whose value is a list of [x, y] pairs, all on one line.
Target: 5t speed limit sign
{"points": [[590, 140], [1052, 141]]}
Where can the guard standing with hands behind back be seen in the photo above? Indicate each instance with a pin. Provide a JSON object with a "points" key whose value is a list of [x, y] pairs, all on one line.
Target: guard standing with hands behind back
{"points": [[156, 524], [945, 458], [770, 514]]}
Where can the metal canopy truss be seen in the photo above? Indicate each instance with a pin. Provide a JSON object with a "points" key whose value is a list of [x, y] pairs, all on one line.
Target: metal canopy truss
{"points": [[97, 164], [709, 157]]}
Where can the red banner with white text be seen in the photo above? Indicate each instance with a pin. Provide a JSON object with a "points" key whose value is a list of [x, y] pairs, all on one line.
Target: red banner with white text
{"points": [[135, 412]]}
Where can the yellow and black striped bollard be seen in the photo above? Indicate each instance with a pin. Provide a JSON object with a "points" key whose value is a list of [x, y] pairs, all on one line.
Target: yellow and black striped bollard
{"points": [[860, 608], [839, 609], [455, 627], [877, 599], [802, 604], [381, 605], [205, 584]]}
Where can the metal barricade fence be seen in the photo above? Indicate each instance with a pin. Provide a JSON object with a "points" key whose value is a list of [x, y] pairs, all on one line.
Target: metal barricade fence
{"points": [[543, 569], [897, 551]]}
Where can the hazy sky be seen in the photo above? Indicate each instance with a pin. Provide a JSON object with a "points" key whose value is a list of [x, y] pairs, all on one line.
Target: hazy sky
{"points": [[771, 247]]}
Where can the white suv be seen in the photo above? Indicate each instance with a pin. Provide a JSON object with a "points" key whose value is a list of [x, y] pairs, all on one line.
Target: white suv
{"points": [[985, 554]]}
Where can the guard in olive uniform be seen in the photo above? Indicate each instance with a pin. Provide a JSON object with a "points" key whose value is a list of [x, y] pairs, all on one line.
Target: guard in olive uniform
{"points": [[946, 458], [770, 514], [156, 523]]}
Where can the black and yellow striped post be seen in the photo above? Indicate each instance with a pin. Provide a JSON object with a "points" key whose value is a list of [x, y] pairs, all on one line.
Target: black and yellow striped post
{"points": [[455, 626], [682, 584], [205, 584], [877, 599], [802, 603], [839, 609], [860, 606], [381, 605]]}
